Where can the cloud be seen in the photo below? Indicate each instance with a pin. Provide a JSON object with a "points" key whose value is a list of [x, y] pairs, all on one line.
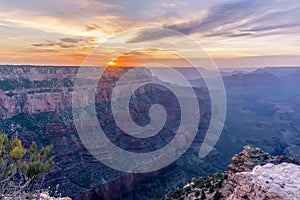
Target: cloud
{"points": [[243, 18], [54, 44], [93, 27], [259, 61], [220, 15], [272, 27], [95, 3], [228, 34], [148, 35], [91, 39], [68, 43], [40, 50], [168, 5], [276, 20], [71, 40], [64, 18], [227, 28]]}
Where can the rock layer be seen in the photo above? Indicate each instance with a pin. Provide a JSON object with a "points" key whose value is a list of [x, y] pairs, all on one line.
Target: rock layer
{"points": [[270, 181], [252, 175], [246, 160]]}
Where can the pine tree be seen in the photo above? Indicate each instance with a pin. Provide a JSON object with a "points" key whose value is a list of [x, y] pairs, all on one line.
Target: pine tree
{"points": [[20, 168]]}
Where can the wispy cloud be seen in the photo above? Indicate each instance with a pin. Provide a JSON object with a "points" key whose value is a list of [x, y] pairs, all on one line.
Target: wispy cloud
{"points": [[220, 15], [71, 40], [225, 28], [148, 35], [93, 27], [242, 18], [54, 44], [275, 20], [67, 42]]}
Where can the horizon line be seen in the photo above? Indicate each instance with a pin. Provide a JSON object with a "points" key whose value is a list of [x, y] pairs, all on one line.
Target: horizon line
{"points": [[227, 67]]}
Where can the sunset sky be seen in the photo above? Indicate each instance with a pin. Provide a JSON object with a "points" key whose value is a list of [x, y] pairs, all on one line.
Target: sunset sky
{"points": [[251, 33]]}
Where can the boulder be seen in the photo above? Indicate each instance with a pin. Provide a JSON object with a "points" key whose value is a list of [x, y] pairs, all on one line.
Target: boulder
{"points": [[276, 182]]}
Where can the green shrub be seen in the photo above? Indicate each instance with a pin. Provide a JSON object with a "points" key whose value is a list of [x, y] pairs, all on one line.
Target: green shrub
{"points": [[21, 169]]}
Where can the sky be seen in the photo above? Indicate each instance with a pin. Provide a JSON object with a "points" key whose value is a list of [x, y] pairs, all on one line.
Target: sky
{"points": [[241, 33]]}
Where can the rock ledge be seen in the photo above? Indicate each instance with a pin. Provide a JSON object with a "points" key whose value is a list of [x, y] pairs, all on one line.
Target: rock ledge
{"points": [[270, 181]]}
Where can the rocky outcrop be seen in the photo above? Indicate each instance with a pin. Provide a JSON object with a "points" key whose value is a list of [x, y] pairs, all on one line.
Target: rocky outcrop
{"points": [[246, 160], [252, 175], [39, 196], [276, 182], [46, 196]]}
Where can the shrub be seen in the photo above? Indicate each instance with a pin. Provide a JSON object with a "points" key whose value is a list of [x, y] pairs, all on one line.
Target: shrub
{"points": [[21, 169], [217, 196]]}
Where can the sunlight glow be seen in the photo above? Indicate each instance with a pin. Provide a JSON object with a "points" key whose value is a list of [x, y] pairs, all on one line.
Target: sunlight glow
{"points": [[112, 63]]}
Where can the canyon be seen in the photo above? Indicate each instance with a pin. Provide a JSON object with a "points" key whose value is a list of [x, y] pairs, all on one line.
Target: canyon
{"points": [[36, 105]]}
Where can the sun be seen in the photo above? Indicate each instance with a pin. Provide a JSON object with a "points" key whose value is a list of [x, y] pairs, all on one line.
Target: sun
{"points": [[112, 63]]}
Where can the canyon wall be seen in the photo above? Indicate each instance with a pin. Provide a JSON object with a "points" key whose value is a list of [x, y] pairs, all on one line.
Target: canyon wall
{"points": [[36, 105]]}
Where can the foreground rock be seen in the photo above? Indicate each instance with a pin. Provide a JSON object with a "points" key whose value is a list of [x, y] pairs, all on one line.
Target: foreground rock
{"points": [[270, 181], [252, 175], [40, 196], [246, 160]]}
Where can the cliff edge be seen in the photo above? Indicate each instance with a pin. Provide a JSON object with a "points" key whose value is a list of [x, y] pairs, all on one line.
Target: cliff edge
{"points": [[270, 181], [252, 175]]}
